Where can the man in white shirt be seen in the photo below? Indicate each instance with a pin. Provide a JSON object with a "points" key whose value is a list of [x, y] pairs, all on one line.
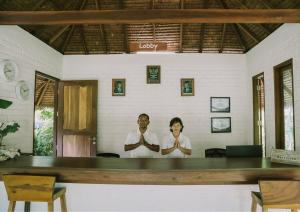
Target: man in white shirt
{"points": [[142, 143]]}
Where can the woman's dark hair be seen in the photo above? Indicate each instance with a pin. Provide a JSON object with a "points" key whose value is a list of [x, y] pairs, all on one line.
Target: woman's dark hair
{"points": [[174, 121]]}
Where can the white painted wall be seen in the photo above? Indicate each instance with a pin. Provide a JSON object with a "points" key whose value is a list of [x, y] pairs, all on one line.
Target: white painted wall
{"points": [[30, 54], [280, 46], [215, 75]]}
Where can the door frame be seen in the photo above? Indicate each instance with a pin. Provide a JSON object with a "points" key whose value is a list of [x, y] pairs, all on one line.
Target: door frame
{"points": [[278, 107], [54, 112]]}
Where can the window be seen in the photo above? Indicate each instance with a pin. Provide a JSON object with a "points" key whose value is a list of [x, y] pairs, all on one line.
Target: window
{"points": [[284, 106]]}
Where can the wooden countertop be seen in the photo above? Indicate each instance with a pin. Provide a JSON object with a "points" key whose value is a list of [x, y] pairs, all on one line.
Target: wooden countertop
{"points": [[191, 171]]}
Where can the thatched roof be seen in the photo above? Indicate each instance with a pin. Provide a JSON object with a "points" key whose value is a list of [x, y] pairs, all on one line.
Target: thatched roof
{"points": [[116, 38]]}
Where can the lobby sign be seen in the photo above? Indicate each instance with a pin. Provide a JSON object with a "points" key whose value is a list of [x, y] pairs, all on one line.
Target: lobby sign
{"points": [[148, 46]]}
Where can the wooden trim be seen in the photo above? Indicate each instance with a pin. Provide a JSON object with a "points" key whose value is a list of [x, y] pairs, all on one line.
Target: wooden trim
{"points": [[279, 116], [150, 16]]}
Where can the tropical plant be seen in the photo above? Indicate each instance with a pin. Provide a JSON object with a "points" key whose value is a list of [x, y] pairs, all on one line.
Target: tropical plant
{"points": [[43, 135]]}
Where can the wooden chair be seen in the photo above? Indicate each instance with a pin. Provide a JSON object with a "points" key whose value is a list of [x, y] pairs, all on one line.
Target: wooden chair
{"points": [[283, 194], [33, 189]]}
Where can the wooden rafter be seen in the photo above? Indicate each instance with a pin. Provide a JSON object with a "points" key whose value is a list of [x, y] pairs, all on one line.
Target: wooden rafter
{"points": [[70, 34], [153, 25], [38, 5], [240, 38], [248, 32], [57, 5], [181, 6], [68, 38], [41, 96], [124, 29], [37, 90], [266, 4], [268, 31], [222, 39], [101, 29], [161, 16], [236, 30], [81, 32], [202, 31], [58, 34]]}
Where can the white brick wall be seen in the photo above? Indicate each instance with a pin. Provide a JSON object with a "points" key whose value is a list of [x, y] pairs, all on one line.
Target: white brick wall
{"points": [[30, 54], [215, 75], [280, 46]]}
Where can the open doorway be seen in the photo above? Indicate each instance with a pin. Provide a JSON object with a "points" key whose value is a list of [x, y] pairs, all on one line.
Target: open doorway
{"points": [[259, 111], [45, 119]]}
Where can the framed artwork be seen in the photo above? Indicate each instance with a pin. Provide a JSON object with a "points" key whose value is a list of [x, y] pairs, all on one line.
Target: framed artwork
{"points": [[220, 104], [221, 124], [187, 87], [153, 74], [118, 87]]}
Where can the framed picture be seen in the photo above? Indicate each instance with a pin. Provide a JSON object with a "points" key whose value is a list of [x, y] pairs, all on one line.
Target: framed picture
{"points": [[187, 87], [153, 74], [220, 104], [118, 87], [221, 124]]}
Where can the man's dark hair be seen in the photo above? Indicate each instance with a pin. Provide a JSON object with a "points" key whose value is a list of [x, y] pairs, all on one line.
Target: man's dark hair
{"points": [[174, 121], [144, 114]]}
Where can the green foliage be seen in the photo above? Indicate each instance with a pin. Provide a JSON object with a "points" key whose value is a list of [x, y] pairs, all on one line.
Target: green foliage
{"points": [[9, 128], [43, 136]]}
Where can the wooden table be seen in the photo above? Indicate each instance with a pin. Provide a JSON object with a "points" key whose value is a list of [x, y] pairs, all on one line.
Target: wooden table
{"points": [[192, 171]]}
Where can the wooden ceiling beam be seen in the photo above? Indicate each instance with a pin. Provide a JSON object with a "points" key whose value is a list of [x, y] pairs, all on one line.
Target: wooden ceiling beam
{"points": [[260, 25], [124, 29], [58, 34], [236, 30], [240, 38], [202, 31], [150, 16], [41, 96], [101, 29], [249, 33], [266, 4], [181, 6], [68, 38], [222, 39], [81, 31], [38, 5], [71, 32], [57, 5], [153, 25]]}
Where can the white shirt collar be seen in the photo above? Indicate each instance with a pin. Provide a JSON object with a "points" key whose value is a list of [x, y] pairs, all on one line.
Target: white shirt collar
{"points": [[145, 133], [173, 138]]}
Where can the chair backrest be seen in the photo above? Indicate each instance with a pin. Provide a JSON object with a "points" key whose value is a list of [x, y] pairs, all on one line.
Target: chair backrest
{"points": [[280, 192], [215, 153], [244, 151], [29, 188]]}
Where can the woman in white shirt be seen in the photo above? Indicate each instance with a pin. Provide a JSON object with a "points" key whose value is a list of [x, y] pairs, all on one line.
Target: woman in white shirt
{"points": [[176, 145]]}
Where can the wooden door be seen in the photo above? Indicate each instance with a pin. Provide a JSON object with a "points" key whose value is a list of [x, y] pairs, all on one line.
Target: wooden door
{"points": [[77, 118]]}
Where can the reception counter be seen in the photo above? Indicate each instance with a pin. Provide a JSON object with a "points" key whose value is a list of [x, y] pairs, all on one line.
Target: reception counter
{"points": [[192, 171]]}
